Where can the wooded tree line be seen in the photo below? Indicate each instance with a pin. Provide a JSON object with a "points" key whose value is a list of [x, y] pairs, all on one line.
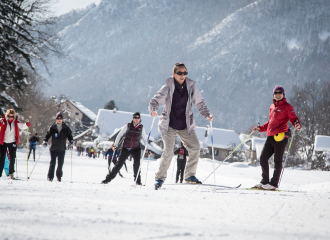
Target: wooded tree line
{"points": [[26, 37], [312, 106]]}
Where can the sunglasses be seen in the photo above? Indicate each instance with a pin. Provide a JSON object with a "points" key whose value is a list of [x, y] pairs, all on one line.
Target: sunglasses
{"points": [[136, 117], [277, 93], [182, 73], [10, 116], [59, 118]]}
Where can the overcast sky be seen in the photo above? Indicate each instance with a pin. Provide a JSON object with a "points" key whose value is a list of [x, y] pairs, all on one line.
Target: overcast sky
{"points": [[64, 6]]}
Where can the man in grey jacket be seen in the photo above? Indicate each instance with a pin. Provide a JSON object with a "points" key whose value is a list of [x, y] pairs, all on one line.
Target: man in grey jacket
{"points": [[178, 94]]}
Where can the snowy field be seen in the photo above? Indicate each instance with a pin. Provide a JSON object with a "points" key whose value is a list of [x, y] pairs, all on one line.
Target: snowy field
{"points": [[85, 209]]}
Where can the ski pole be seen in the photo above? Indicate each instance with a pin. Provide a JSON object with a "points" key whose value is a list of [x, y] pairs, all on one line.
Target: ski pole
{"points": [[111, 160], [16, 169], [145, 148], [212, 151], [173, 171], [147, 170], [286, 158], [228, 156], [71, 164], [27, 154], [36, 163]]}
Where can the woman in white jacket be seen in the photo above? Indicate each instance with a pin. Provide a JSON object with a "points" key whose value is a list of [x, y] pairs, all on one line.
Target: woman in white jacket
{"points": [[9, 138]]}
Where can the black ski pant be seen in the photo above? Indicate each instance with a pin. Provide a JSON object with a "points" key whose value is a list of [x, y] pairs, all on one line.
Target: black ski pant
{"points": [[60, 162], [34, 153], [180, 170], [136, 153], [115, 163], [12, 156], [272, 147]]}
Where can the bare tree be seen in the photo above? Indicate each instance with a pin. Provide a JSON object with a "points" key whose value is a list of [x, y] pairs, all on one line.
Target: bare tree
{"points": [[312, 106]]}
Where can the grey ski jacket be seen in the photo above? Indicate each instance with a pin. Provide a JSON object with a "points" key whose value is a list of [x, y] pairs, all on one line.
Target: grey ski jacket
{"points": [[165, 94]]}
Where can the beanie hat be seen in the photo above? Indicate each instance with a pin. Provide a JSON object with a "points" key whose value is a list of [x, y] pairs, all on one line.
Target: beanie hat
{"points": [[136, 114], [279, 87], [59, 114]]}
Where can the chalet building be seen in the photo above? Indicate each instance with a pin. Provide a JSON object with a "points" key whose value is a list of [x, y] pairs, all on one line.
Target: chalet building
{"points": [[76, 112], [223, 141], [79, 118]]}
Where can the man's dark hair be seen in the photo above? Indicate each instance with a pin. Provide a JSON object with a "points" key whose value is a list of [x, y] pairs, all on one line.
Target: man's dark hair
{"points": [[136, 114], [179, 65], [36, 134]]}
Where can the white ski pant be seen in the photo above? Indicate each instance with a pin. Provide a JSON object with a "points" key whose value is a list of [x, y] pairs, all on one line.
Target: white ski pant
{"points": [[190, 142]]}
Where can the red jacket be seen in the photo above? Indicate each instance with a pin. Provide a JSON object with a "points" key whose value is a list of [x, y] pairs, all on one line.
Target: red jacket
{"points": [[4, 127], [279, 115]]}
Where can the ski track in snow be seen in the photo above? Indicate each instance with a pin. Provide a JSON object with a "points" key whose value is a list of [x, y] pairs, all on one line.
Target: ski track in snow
{"points": [[85, 209]]}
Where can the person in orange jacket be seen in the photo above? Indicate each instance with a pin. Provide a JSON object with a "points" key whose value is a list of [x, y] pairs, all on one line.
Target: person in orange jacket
{"points": [[9, 139], [277, 137]]}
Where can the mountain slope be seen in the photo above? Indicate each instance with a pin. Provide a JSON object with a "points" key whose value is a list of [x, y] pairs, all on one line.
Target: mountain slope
{"points": [[237, 51]]}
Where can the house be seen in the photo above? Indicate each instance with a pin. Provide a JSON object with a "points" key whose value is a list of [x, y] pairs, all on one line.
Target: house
{"points": [[223, 141], [321, 153], [253, 147], [77, 112], [78, 117]]}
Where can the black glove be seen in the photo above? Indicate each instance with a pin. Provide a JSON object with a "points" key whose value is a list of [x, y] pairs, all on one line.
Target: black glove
{"points": [[44, 144], [70, 144]]}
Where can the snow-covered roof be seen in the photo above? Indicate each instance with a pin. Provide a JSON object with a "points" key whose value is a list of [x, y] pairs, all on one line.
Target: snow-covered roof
{"points": [[257, 142], [88, 144], [105, 144], [113, 120], [84, 110], [222, 138], [81, 134], [322, 143]]}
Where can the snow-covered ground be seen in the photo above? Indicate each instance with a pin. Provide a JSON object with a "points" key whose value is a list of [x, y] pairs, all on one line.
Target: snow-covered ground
{"points": [[85, 209]]}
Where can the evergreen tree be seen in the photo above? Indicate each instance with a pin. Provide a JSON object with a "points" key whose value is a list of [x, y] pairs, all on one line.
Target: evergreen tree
{"points": [[22, 40], [111, 105]]}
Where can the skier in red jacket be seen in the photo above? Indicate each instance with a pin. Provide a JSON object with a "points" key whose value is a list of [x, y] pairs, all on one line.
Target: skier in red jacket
{"points": [[277, 137], [9, 139]]}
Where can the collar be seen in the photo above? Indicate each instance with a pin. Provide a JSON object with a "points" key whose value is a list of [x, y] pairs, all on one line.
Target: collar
{"points": [[177, 85], [279, 102], [170, 83]]}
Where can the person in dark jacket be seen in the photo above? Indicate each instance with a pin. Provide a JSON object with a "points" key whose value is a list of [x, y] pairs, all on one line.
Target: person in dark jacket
{"points": [[59, 132], [32, 145], [132, 133], [277, 137], [181, 162]]}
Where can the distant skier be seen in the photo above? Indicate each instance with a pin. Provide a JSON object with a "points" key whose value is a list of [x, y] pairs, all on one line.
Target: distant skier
{"points": [[178, 94], [59, 132], [277, 137], [132, 133], [9, 138], [181, 162], [32, 145]]}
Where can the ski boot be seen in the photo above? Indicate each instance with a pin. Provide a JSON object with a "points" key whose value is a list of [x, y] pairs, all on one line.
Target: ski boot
{"points": [[257, 186], [268, 187], [158, 184], [11, 176], [49, 179], [58, 179], [192, 179]]}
